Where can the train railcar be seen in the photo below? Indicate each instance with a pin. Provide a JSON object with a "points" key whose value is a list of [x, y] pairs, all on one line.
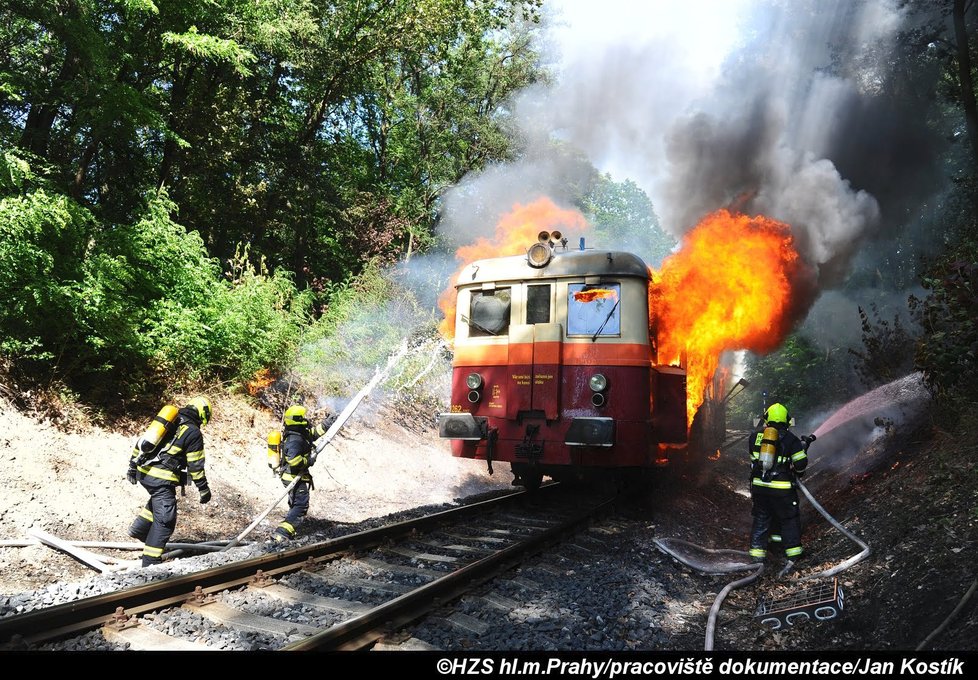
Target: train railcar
{"points": [[555, 368]]}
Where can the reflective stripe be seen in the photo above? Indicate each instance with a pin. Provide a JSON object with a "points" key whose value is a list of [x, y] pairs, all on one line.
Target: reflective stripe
{"points": [[771, 485], [196, 455], [159, 473], [795, 457], [197, 475], [758, 552], [288, 476], [152, 552], [793, 552], [295, 461], [146, 514], [776, 538], [288, 527]]}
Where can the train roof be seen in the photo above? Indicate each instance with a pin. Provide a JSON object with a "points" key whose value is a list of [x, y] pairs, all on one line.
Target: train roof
{"points": [[564, 264]]}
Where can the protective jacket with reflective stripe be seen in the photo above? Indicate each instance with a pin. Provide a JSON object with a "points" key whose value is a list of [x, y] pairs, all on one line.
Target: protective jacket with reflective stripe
{"points": [[185, 452], [790, 459], [296, 447]]}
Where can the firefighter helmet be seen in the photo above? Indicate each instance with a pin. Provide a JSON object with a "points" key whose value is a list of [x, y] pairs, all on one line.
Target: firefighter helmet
{"points": [[296, 415], [777, 413], [203, 408]]}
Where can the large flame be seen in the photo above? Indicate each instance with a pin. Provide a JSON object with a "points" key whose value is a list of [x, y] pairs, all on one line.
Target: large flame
{"points": [[514, 232], [730, 286]]}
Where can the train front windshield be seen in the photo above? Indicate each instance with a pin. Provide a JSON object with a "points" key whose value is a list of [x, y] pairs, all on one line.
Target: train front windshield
{"points": [[594, 310]]}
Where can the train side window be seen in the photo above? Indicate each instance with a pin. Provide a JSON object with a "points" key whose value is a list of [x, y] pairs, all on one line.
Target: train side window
{"points": [[538, 304], [594, 310], [489, 312]]}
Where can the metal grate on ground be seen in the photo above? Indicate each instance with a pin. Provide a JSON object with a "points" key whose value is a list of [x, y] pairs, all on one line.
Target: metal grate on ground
{"points": [[821, 602]]}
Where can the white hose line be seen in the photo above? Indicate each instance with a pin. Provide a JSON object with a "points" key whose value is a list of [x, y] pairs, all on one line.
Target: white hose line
{"points": [[849, 562], [715, 609], [321, 443], [711, 621]]}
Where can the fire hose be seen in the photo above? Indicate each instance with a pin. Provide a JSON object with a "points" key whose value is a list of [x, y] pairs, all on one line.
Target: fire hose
{"points": [[322, 442], [740, 583]]}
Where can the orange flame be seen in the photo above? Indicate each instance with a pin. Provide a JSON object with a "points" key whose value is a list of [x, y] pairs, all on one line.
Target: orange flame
{"points": [[731, 286], [516, 231], [260, 381], [592, 294]]}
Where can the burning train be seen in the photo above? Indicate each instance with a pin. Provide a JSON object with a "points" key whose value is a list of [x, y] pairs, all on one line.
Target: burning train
{"points": [[571, 361], [555, 369]]}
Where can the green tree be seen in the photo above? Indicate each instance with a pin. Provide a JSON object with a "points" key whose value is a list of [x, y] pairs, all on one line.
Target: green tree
{"points": [[623, 216]]}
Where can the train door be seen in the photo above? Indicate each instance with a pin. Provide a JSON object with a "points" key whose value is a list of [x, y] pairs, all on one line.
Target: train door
{"points": [[535, 356]]}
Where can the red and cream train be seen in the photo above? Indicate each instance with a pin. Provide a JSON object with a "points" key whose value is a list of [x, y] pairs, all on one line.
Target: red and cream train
{"points": [[555, 369]]}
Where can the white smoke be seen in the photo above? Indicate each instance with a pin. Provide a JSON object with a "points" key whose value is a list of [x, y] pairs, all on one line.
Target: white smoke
{"points": [[705, 105]]}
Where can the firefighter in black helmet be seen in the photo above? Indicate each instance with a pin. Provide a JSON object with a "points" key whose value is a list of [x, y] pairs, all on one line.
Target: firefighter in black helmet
{"points": [[296, 446], [178, 456], [778, 457]]}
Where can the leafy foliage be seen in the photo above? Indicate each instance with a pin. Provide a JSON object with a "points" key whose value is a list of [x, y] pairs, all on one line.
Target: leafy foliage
{"points": [[798, 374], [623, 215], [948, 350], [322, 135], [887, 352], [367, 318], [88, 299]]}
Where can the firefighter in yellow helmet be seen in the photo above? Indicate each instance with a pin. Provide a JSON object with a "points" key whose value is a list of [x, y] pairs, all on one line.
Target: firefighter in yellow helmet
{"points": [[778, 457], [161, 469], [297, 438]]}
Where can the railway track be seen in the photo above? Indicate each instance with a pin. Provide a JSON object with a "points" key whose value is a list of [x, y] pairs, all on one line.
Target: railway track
{"points": [[341, 594]]}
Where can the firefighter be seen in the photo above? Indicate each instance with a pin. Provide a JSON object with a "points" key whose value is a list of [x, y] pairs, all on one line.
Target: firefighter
{"points": [[778, 457], [165, 470], [296, 445]]}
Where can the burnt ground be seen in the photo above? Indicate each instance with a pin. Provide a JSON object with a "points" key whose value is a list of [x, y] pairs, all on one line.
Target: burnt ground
{"points": [[911, 495]]}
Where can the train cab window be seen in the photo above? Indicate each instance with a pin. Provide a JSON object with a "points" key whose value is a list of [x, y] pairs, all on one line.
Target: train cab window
{"points": [[489, 312], [538, 304], [594, 309]]}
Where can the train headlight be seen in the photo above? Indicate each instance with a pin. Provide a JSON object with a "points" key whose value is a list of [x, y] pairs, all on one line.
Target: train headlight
{"points": [[474, 396], [539, 255], [598, 383], [473, 381]]}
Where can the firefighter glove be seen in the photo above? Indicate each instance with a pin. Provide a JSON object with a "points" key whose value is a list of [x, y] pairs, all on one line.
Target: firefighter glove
{"points": [[205, 494], [131, 476]]}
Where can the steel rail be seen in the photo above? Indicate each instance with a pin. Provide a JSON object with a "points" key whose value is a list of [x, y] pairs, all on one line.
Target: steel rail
{"points": [[77, 616], [363, 630]]}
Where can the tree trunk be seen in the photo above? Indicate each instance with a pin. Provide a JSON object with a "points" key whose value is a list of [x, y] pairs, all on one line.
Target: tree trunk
{"points": [[40, 119], [964, 76]]}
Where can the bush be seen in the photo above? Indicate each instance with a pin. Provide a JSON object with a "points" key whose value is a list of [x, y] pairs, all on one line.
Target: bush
{"points": [[887, 352], [87, 301], [947, 352], [798, 374], [366, 319], [43, 244]]}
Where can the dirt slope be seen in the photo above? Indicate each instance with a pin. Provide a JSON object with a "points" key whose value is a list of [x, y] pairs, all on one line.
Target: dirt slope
{"points": [[73, 484]]}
